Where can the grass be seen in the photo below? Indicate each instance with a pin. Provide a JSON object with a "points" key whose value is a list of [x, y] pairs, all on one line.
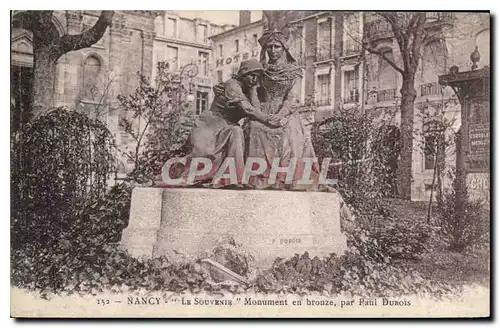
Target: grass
{"points": [[439, 263]]}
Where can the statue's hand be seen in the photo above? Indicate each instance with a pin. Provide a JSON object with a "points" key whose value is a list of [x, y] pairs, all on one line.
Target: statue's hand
{"points": [[275, 121]]}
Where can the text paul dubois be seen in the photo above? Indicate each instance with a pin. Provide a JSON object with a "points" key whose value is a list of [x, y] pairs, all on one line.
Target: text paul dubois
{"points": [[383, 302]]}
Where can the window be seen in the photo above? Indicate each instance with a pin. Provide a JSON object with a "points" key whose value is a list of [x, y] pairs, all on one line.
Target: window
{"points": [[159, 28], [234, 69], [429, 152], [324, 90], [91, 73], [203, 62], [21, 86], [352, 35], [387, 75], [433, 61], [219, 76], [351, 92], [202, 32], [300, 43], [324, 40], [221, 50], [255, 39], [236, 45], [201, 101], [172, 27], [173, 57]]}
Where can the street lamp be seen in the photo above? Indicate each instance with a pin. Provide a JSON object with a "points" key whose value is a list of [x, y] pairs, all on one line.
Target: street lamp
{"points": [[190, 70]]}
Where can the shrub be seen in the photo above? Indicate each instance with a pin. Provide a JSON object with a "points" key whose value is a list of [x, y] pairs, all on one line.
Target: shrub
{"points": [[104, 220], [378, 232], [158, 123], [350, 273], [364, 153], [61, 163], [464, 224]]}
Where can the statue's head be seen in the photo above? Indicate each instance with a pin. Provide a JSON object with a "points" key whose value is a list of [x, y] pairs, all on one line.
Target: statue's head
{"points": [[274, 45], [250, 72]]}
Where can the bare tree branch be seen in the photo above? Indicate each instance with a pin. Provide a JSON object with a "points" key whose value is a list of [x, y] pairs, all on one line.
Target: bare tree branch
{"points": [[401, 37], [40, 23], [418, 38], [396, 29], [375, 52], [85, 39], [383, 56]]}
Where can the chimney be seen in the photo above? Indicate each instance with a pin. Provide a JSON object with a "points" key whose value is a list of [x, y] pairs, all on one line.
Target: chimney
{"points": [[245, 16]]}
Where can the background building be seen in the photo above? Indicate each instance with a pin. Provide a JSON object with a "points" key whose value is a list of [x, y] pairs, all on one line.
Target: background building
{"points": [[235, 45], [90, 79], [181, 42], [339, 74]]}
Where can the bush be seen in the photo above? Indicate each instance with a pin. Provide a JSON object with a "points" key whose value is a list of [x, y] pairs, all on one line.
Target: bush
{"points": [[464, 224], [158, 123], [378, 242], [71, 269], [377, 232], [61, 163], [350, 273], [106, 218], [366, 153]]}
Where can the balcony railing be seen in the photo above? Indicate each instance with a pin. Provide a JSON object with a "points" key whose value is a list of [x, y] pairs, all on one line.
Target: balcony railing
{"points": [[386, 95], [432, 17], [378, 29], [429, 89], [323, 102], [351, 50], [381, 29]]}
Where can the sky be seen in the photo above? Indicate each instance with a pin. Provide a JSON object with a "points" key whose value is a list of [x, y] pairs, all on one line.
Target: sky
{"points": [[219, 16]]}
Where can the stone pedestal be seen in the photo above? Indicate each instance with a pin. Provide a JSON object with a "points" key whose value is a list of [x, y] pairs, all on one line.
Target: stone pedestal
{"points": [[268, 224]]}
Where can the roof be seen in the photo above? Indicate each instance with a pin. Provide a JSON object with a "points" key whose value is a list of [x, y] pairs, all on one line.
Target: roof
{"points": [[237, 29], [464, 77]]}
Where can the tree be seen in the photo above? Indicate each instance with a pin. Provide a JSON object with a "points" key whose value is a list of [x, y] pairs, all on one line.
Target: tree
{"points": [[410, 34], [49, 46], [157, 123], [411, 31]]}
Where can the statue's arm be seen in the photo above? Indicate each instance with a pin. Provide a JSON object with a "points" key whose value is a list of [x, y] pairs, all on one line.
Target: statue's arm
{"points": [[249, 104], [253, 97], [256, 114]]}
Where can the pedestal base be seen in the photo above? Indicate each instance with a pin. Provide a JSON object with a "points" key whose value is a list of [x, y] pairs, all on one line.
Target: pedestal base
{"points": [[269, 224]]}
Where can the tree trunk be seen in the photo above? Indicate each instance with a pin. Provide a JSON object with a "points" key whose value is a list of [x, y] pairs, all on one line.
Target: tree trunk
{"points": [[408, 95], [44, 76]]}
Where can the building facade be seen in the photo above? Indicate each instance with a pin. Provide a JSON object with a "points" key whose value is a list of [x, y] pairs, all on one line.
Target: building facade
{"points": [[231, 47], [183, 42], [340, 74], [89, 79]]}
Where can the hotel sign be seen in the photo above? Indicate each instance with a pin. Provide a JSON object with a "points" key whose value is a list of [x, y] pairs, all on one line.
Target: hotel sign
{"points": [[237, 58]]}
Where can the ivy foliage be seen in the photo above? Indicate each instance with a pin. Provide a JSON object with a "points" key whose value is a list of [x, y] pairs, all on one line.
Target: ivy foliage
{"points": [[61, 163]]}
